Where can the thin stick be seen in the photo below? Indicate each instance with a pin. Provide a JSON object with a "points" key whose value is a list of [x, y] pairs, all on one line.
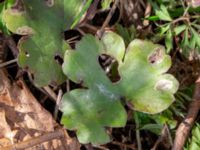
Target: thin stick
{"points": [[180, 19], [50, 92], [81, 31], [72, 39], [184, 128], [58, 100], [101, 147], [12, 45], [124, 145], [92, 10], [8, 63], [89, 26], [68, 85], [106, 22], [121, 10], [36, 140]]}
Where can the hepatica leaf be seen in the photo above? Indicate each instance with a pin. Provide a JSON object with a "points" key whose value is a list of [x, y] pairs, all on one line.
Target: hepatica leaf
{"points": [[144, 81], [43, 23], [144, 84], [90, 110]]}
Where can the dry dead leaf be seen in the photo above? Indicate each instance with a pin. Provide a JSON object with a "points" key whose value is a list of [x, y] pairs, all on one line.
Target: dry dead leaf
{"points": [[22, 118]]}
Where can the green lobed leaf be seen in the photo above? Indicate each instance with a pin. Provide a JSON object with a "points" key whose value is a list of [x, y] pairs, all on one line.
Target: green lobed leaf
{"points": [[43, 23], [89, 111], [144, 83]]}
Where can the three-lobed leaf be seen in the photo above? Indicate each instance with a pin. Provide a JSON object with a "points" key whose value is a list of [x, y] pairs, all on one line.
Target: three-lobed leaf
{"points": [[144, 84]]}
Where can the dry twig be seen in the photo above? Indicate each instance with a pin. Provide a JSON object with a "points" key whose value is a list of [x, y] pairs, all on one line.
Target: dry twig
{"points": [[184, 128], [130, 146], [4, 64], [58, 101], [92, 10], [106, 22], [50, 92], [37, 140]]}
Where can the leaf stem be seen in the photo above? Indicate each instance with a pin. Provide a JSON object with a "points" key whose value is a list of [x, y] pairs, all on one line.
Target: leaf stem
{"points": [[139, 145]]}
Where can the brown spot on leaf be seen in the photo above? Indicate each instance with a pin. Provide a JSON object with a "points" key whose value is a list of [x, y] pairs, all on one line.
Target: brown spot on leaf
{"points": [[24, 30], [130, 105], [156, 56], [18, 6], [164, 85], [49, 3]]}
